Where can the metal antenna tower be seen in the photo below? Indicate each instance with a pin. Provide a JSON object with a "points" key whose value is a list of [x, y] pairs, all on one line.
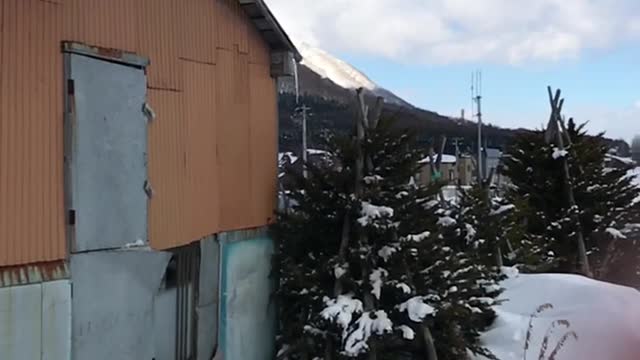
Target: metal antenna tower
{"points": [[476, 99]]}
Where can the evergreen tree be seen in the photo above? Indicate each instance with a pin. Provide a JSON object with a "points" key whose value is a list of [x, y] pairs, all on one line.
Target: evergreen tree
{"points": [[604, 196], [366, 269]]}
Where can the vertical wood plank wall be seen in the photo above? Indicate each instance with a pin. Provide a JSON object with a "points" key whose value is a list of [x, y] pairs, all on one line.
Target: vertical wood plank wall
{"points": [[212, 148]]}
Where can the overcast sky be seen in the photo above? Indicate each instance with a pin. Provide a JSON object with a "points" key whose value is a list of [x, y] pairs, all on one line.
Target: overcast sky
{"points": [[425, 51]]}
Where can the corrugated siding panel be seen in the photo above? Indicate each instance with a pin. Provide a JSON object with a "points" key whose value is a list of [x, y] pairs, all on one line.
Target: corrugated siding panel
{"points": [[167, 170], [259, 52], [210, 151], [225, 21], [264, 143], [198, 30], [110, 24], [158, 38], [30, 133], [241, 26], [200, 115], [233, 140]]}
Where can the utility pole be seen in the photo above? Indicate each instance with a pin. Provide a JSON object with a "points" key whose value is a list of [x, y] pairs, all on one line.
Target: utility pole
{"points": [[304, 109], [476, 96]]}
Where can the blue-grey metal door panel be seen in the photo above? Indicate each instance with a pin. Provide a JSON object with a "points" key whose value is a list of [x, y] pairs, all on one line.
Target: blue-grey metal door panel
{"points": [[108, 144]]}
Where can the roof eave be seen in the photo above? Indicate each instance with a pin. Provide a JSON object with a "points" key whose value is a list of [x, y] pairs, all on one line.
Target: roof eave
{"points": [[269, 27]]}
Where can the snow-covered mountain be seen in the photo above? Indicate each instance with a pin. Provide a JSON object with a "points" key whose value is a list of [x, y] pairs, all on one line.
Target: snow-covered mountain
{"points": [[335, 73]]}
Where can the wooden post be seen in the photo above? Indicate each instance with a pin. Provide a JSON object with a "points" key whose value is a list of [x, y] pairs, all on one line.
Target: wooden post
{"points": [[554, 135]]}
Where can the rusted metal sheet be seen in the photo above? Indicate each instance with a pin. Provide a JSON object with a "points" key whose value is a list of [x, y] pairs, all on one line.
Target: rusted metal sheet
{"points": [[225, 33], [158, 38], [168, 207], [264, 143], [110, 24], [30, 136], [198, 30], [258, 49], [202, 163], [184, 161], [33, 273], [234, 147], [109, 54], [241, 25]]}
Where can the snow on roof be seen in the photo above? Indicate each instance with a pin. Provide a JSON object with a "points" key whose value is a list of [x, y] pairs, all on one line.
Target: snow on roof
{"points": [[624, 160], [446, 159], [587, 306]]}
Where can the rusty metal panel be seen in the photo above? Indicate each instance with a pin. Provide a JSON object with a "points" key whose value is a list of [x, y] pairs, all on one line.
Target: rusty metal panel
{"points": [[234, 161], [158, 38], [31, 216], [107, 169], [33, 273], [264, 143], [200, 112], [110, 24], [241, 28], [167, 170], [225, 24], [259, 52], [198, 30]]}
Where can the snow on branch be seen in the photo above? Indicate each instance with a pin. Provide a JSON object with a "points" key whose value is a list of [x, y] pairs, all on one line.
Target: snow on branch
{"points": [[368, 324], [376, 278], [557, 153], [615, 233], [372, 212], [341, 310], [502, 209], [416, 309], [418, 237]]}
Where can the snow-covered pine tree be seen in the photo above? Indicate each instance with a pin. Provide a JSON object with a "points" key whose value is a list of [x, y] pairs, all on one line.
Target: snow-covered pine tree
{"points": [[494, 229], [604, 196], [394, 288]]}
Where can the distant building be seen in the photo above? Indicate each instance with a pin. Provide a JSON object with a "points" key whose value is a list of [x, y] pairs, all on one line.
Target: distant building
{"points": [[448, 172], [466, 167], [453, 170]]}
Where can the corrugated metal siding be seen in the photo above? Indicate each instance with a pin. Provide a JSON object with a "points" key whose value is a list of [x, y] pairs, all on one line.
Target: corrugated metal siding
{"points": [[202, 164], [258, 49], [240, 27], [198, 30], [225, 24], [233, 140], [208, 149], [30, 133], [110, 24], [264, 140], [158, 38], [167, 170]]}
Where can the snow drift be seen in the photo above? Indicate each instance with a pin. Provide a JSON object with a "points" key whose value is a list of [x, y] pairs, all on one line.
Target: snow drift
{"points": [[591, 319]]}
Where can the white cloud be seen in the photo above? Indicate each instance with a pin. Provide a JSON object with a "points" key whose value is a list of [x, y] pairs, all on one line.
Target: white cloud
{"points": [[450, 31]]}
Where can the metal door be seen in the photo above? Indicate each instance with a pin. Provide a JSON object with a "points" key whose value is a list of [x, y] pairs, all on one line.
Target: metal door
{"points": [[106, 145]]}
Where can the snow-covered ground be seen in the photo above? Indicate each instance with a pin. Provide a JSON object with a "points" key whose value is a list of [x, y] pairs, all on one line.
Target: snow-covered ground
{"points": [[598, 320]]}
